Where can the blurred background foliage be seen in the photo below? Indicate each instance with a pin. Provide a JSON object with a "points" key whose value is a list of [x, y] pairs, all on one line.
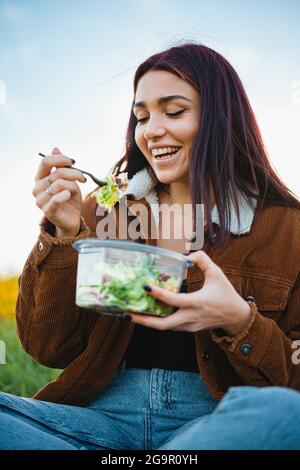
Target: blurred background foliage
{"points": [[21, 375]]}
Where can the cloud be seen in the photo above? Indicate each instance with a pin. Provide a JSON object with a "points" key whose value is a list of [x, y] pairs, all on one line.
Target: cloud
{"points": [[11, 11]]}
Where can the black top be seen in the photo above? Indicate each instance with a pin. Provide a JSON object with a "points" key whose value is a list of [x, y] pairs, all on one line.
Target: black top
{"points": [[150, 348], [174, 350]]}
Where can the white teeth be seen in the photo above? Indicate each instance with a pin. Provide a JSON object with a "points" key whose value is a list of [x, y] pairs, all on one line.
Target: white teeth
{"points": [[162, 150]]}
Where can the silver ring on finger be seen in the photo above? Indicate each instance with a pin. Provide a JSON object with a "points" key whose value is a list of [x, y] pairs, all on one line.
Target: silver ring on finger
{"points": [[49, 178], [49, 190]]}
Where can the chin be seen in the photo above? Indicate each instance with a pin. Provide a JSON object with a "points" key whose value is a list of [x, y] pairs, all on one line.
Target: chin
{"points": [[168, 177], [165, 178]]}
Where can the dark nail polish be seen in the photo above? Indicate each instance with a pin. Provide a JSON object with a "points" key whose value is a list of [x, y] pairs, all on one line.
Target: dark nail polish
{"points": [[73, 161], [147, 288]]}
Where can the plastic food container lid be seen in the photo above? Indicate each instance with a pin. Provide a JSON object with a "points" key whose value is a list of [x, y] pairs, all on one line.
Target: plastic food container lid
{"points": [[91, 244]]}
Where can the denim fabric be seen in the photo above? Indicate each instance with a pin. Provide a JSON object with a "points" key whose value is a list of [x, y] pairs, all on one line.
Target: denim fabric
{"points": [[247, 418], [155, 409]]}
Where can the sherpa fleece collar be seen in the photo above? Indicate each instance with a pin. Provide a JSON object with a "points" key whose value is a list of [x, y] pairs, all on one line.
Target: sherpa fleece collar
{"points": [[141, 186]]}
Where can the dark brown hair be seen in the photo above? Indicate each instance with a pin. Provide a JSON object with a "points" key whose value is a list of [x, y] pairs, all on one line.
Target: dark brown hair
{"points": [[228, 152]]}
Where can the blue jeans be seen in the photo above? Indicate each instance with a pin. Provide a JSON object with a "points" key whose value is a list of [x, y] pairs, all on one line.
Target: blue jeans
{"points": [[156, 409]]}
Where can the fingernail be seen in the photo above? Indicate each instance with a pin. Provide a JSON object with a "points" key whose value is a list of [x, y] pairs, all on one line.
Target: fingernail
{"points": [[147, 288], [85, 180], [73, 161], [127, 317]]}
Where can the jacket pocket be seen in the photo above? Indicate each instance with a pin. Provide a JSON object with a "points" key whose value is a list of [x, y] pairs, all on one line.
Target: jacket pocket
{"points": [[270, 295]]}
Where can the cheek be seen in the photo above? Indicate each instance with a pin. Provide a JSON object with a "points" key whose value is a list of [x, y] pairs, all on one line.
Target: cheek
{"points": [[194, 127], [139, 139], [141, 143], [137, 136], [189, 132]]}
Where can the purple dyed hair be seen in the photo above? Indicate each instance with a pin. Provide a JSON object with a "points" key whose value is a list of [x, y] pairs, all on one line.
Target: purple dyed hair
{"points": [[228, 152]]}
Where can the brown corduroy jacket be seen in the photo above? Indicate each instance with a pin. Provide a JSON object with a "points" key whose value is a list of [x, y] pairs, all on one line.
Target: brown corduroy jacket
{"points": [[263, 263]]}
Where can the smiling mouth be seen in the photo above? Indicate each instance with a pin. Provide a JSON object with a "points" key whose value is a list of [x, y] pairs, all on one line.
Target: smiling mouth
{"points": [[166, 156]]}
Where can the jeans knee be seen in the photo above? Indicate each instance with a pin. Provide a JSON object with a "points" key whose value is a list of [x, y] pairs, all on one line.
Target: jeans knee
{"points": [[276, 407], [273, 402], [283, 400], [5, 398], [5, 424], [268, 416], [2, 400]]}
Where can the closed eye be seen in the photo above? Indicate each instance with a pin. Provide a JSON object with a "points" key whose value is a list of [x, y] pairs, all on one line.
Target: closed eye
{"points": [[168, 114]]}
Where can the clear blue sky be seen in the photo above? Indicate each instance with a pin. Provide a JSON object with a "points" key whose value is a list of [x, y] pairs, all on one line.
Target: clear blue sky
{"points": [[58, 60]]}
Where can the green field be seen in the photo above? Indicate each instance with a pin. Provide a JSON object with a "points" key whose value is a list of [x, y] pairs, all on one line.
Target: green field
{"points": [[21, 375]]}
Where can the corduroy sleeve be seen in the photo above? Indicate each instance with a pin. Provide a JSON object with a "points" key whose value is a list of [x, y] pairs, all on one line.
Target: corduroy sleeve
{"points": [[267, 353], [51, 328]]}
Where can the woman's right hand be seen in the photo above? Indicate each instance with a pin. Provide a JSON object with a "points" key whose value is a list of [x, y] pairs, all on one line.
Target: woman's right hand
{"points": [[63, 206]]}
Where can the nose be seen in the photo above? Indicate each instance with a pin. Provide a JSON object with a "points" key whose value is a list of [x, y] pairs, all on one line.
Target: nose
{"points": [[153, 129]]}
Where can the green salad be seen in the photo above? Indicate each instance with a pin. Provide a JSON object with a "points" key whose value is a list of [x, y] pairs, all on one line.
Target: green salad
{"points": [[121, 286], [112, 192]]}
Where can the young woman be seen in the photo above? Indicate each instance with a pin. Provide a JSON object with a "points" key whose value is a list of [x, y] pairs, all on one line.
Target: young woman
{"points": [[222, 372]]}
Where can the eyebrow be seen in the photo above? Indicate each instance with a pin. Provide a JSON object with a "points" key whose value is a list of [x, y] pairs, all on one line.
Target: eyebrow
{"points": [[164, 99]]}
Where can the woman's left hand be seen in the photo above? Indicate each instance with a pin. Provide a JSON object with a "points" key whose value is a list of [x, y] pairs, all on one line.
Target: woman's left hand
{"points": [[215, 305]]}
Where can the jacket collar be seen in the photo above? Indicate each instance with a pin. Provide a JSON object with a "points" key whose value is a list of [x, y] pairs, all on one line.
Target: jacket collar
{"points": [[142, 186]]}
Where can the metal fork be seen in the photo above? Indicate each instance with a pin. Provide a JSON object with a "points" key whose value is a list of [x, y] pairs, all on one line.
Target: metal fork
{"points": [[96, 180]]}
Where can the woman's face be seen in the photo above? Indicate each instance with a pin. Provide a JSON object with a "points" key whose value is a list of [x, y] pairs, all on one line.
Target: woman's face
{"points": [[157, 131]]}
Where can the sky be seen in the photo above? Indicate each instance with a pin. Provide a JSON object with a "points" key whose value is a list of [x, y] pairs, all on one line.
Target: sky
{"points": [[66, 72]]}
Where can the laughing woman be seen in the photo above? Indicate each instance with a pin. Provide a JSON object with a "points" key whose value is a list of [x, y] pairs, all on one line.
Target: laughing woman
{"points": [[223, 371]]}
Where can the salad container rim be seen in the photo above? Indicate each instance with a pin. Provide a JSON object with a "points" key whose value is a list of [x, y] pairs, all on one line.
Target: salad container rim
{"points": [[91, 242]]}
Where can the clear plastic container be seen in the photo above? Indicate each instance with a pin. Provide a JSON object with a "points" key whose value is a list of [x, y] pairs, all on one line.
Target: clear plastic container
{"points": [[111, 275]]}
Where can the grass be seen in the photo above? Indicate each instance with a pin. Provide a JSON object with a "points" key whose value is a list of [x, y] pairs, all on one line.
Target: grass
{"points": [[20, 375]]}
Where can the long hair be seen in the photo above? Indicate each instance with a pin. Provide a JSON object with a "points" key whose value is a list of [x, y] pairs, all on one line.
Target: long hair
{"points": [[228, 154]]}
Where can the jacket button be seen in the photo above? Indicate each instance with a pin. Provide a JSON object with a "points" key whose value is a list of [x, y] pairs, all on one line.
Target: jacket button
{"points": [[205, 356], [246, 349], [40, 246], [249, 298]]}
